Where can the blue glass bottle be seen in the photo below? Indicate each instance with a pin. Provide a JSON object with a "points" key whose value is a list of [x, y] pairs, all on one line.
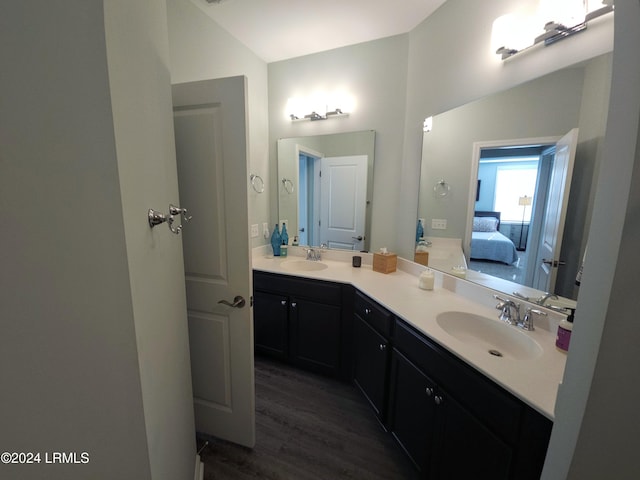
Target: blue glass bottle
{"points": [[419, 231], [284, 236], [276, 241]]}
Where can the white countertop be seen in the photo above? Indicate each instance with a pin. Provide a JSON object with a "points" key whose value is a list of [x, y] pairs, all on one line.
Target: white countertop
{"points": [[534, 381]]}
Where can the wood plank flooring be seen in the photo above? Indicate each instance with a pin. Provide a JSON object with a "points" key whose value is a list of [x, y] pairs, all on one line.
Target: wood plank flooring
{"points": [[308, 427]]}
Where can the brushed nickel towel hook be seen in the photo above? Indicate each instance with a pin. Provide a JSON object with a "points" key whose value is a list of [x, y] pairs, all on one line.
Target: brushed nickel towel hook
{"points": [[155, 217]]}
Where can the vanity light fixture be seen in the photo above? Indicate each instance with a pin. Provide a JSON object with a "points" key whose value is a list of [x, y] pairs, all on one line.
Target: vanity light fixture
{"points": [[315, 116], [556, 31]]}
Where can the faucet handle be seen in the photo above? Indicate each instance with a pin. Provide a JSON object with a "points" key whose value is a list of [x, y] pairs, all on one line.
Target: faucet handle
{"points": [[527, 321]]}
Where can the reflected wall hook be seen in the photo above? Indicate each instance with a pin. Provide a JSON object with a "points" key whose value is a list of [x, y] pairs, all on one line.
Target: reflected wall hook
{"points": [[257, 183], [288, 185], [156, 218], [441, 188]]}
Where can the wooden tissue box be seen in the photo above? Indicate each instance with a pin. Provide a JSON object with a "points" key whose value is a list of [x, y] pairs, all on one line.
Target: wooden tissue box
{"points": [[422, 258], [385, 262]]}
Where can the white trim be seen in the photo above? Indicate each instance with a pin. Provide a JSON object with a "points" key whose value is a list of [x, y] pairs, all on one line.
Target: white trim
{"points": [[198, 474]]}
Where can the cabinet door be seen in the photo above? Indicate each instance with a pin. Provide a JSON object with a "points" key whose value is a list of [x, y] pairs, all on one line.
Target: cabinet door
{"points": [[465, 447], [371, 364], [315, 336], [412, 412], [271, 333]]}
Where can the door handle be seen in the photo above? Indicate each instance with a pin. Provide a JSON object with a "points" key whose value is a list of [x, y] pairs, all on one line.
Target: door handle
{"points": [[238, 302], [358, 238], [554, 263]]}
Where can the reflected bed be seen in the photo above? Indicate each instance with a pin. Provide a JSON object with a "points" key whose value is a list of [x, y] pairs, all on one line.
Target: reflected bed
{"points": [[487, 243]]}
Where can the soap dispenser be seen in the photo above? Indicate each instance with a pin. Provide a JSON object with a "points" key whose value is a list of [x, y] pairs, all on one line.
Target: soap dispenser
{"points": [[276, 241], [565, 327]]}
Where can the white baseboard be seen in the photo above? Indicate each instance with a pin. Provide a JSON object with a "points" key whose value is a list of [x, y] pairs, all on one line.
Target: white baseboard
{"points": [[199, 471]]}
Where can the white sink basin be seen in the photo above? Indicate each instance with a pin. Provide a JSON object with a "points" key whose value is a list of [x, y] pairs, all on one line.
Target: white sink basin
{"points": [[493, 336], [303, 265]]}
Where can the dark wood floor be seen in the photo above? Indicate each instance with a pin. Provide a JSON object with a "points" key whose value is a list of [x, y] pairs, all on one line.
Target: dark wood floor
{"points": [[308, 427]]}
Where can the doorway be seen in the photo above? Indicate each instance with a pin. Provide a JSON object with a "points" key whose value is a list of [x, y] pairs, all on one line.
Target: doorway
{"points": [[513, 181]]}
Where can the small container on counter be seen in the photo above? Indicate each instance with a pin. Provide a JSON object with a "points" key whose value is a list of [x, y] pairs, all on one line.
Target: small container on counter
{"points": [[459, 271], [426, 280]]}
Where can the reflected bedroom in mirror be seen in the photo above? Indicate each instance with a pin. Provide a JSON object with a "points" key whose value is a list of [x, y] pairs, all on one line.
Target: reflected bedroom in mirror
{"points": [[521, 168], [325, 188]]}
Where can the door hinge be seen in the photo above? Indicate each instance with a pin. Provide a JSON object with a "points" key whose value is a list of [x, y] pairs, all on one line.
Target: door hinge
{"points": [[251, 301]]}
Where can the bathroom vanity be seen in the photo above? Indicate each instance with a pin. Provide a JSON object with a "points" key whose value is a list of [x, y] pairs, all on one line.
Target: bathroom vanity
{"points": [[455, 409]]}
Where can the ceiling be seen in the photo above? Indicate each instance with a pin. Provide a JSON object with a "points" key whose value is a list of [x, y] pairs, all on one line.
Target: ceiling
{"points": [[281, 29]]}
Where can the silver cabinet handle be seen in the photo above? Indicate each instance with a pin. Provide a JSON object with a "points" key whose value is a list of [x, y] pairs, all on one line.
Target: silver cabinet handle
{"points": [[358, 238], [283, 302], [383, 347], [429, 391], [294, 304], [238, 302], [438, 399], [367, 311]]}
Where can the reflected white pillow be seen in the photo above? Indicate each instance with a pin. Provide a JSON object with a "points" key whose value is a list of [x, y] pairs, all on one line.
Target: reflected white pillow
{"points": [[485, 224]]}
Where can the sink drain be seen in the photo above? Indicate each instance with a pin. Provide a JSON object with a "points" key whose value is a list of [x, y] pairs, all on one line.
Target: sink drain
{"points": [[495, 353]]}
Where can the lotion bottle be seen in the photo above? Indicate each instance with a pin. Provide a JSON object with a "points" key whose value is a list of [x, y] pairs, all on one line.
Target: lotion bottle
{"points": [[565, 327]]}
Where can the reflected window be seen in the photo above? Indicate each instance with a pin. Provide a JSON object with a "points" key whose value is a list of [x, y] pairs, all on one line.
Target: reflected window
{"points": [[513, 182]]}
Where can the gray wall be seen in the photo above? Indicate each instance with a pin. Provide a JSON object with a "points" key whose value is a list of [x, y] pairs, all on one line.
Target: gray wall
{"points": [[138, 61], [375, 73], [549, 106], [199, 50], [595, 435], [81, 342]]}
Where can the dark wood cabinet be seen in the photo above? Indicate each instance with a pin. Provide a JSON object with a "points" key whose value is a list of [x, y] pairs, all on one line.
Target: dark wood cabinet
{"points": [[315, 335], [434, 429], [452, 421], [301, 321], [271, 324], [371, 352], [455, 423]]}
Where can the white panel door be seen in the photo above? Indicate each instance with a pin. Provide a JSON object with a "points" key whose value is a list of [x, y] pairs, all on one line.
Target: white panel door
{"points": [[211, 151], [343, 199], [548, 261]]}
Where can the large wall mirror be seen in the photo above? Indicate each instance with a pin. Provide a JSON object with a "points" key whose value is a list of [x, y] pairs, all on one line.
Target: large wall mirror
{"points": [[325, 188], [497, 157]]}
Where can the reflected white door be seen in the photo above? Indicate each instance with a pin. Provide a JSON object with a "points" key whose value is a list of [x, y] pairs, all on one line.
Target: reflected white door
{"points": [[343, 192], [548, 261], [211, 151]]}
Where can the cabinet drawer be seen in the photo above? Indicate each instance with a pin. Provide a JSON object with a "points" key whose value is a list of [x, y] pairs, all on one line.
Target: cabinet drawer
{"points": [[379, 318], [495, 407], [317, 290]]}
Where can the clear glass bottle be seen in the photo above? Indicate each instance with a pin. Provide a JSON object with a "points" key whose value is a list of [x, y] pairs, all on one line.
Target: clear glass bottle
{"points": [[284, 236]]}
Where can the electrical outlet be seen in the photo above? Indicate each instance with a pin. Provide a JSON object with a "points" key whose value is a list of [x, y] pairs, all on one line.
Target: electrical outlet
{"points": [[254, 230], [439, 223], [265, 230]]}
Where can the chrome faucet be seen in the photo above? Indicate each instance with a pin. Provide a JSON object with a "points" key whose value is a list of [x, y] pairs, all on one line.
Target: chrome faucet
{"points": [[313, 255], [508, 310], [527, 321], [543, 299]]}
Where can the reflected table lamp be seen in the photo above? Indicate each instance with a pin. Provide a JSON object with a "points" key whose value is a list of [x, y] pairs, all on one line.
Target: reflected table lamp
{"points": [[524, 202]]}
